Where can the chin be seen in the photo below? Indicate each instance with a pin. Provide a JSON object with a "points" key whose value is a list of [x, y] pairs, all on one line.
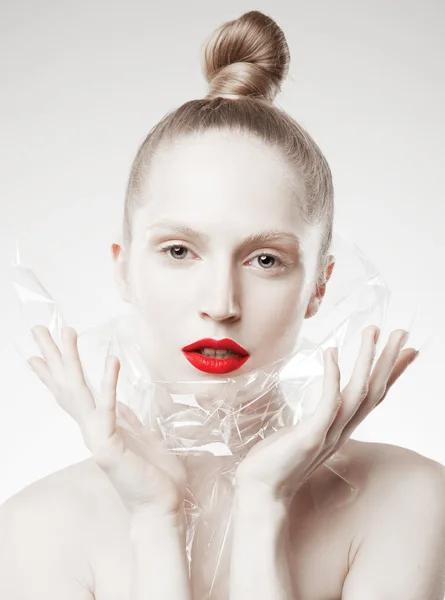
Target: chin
{"points": [[199, 389]]}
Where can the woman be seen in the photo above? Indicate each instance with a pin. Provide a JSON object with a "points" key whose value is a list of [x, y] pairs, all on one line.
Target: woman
{"points": [[227, 228]]}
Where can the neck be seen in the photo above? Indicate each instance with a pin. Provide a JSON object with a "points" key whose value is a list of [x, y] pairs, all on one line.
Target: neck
{"points": [[216, 431]]}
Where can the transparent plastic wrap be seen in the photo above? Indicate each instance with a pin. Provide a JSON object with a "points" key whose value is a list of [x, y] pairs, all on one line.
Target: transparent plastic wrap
{"points": [[211, 423]]}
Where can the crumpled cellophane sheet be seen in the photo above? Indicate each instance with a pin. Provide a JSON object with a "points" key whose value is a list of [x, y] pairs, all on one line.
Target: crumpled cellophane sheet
{"points": [[212, 424]]}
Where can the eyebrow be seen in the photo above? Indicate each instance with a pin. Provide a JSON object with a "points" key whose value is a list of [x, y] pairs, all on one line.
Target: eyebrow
{"points": [[262, 237]]}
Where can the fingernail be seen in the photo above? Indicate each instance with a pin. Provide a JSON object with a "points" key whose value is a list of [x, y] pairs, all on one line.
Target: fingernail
{"points": [[335, 355]]}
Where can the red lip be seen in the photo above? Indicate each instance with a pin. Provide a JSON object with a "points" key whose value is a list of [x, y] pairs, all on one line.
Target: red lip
{"points": [[218, 366], [225, 344]]}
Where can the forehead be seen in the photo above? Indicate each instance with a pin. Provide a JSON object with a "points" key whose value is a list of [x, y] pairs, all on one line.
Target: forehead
{"points": [[224, 183]]}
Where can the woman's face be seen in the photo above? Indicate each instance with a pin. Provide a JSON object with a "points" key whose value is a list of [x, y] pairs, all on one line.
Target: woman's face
{"points": [[219, 250]]}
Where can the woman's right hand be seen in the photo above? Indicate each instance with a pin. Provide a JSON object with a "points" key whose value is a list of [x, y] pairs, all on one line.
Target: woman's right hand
{"points": [[147, 478]]}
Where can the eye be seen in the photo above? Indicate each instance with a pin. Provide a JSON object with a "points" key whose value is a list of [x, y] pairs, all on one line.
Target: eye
{"points": [[268, 262], [178, 252], [175, 251]]}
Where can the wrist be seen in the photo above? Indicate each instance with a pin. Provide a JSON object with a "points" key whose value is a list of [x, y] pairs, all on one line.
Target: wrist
{"points": [[254, 502], [264, 493], [149, 523]]}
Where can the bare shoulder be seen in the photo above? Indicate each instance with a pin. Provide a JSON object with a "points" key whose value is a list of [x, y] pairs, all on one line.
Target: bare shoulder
{"points": [[379, 452], [53, 524], [362, 473], [68, 496], [373, 462], [368, 480], [393, 481], [398, 545]]}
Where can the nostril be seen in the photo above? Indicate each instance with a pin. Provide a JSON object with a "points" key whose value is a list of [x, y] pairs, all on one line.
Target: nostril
{"points": [[222, 314]]}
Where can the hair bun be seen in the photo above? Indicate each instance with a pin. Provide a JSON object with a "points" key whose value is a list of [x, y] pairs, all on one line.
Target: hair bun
{"points": [[248, 56]]}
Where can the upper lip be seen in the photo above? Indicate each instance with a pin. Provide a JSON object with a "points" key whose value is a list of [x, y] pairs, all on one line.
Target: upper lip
{"points": [[225, 344]]}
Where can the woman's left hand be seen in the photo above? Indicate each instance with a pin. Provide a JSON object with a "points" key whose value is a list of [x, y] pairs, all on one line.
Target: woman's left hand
{"points": [[282, 462]]}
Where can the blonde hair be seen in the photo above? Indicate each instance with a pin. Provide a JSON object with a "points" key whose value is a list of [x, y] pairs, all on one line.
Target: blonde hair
{"points": [[245, 62]]}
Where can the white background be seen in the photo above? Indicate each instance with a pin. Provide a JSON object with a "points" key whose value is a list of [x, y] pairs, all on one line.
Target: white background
{"points": [[82, 84]]}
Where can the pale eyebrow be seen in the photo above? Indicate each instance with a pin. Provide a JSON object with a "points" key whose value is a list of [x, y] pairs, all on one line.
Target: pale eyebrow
{"points": [[263, 237], [270, 236]]}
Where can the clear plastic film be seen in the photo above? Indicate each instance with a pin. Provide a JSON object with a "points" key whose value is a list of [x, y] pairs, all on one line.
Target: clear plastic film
{"points": [[211, 423]]}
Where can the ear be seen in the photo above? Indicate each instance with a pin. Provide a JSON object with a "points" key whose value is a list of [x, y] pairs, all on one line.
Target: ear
{"points": [[120, 271], [320, 289]]}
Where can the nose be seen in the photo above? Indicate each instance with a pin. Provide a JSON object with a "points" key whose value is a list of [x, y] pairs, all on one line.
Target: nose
{"points": [[219, 297]]}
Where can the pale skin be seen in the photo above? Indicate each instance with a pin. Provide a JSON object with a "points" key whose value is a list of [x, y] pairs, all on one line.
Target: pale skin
{"points": [[389, 543]]}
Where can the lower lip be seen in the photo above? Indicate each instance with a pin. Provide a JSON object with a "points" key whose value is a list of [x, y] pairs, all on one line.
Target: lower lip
{"points": [[218, 366]]}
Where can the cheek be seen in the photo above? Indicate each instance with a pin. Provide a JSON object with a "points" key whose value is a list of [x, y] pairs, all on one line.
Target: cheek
{"points": [[156, 294], [275, 313], [281, 300]]}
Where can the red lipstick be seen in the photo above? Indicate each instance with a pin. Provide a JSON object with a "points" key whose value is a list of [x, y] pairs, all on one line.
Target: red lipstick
{"points": [[216, 365]]}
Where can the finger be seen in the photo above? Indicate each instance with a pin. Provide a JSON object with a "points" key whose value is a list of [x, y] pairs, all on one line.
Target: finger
{"points": [[49, 349], [125, 414], [41, 369], [311, 434], [104, 428], [378, 383], [356, 391], [379, 379], [331, 400], [107, 398], [406, 358], [74, 380], [71, 358]]}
